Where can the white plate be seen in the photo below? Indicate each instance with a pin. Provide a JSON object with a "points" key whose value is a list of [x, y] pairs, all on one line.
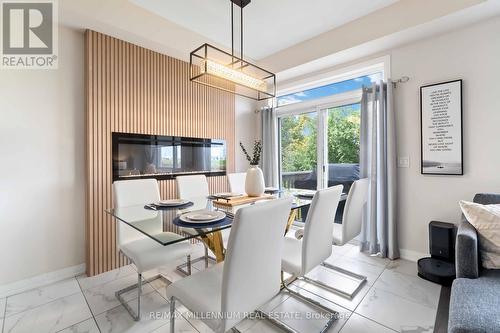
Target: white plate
{"points": [[171, 202], [202, 216]]}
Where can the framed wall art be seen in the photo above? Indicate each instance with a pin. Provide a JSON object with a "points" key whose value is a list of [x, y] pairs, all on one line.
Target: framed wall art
{"points": [[441, 128]]}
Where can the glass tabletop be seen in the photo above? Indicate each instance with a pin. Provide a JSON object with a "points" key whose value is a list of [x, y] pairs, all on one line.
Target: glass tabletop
{"points": [[164, 226]]}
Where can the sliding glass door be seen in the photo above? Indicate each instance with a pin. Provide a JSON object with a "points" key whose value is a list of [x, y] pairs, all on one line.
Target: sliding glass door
{"points": [[298, 150], [320, 148], [343, 130]]}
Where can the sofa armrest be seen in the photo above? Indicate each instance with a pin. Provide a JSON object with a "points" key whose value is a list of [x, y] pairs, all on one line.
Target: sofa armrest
{"points": [[466, 251]]}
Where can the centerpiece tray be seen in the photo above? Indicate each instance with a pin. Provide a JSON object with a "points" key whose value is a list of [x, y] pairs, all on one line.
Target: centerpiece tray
{"points": [[241, 200]]}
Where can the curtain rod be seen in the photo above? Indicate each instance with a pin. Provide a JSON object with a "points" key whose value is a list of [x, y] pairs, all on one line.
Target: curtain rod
{"points": [[262, 109], [402, 79]]}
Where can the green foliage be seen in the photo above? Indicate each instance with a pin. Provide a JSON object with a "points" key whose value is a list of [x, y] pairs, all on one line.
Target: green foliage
{"points": [[299, 138], [343, 135], [257, 150], [298, 142]]}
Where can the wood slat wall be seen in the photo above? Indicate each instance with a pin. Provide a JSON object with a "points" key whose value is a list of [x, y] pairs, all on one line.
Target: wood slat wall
{"points": [[136, 90]]}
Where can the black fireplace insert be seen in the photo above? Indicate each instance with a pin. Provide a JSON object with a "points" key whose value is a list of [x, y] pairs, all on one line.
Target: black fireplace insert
{"points": [[165, 157]]}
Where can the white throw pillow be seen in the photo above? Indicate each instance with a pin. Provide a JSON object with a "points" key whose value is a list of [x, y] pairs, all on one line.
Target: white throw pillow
{"points": [[486, 220]]}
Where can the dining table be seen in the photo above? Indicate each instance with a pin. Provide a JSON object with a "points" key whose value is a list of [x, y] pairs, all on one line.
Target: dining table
{"points": [[149, 219]]}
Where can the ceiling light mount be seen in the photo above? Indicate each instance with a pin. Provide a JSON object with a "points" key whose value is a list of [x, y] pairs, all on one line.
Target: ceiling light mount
{"points": [[211, 66], [241, 3]]}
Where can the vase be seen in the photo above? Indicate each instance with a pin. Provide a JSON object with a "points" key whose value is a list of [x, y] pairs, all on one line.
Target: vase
{"points": [[254, 182]]}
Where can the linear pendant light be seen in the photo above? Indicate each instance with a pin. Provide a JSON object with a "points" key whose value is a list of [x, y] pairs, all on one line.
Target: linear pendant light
{"points": [[213, 67]]}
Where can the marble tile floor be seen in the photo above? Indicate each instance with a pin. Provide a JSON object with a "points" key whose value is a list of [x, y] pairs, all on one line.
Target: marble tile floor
{"points": [[393, 300]]}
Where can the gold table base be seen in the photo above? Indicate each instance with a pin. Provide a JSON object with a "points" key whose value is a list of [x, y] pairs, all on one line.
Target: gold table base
{"points": [[214, 242]]}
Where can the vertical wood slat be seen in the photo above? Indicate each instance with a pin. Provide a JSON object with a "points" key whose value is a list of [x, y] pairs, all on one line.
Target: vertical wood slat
{"points": [[135, 90]]}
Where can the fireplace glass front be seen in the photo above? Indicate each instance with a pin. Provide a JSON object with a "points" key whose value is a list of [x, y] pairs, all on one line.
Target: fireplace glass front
{"points": [[164, 157]]}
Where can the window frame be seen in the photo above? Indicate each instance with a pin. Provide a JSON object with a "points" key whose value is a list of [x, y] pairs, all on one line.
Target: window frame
{"points": [[321, 106]]}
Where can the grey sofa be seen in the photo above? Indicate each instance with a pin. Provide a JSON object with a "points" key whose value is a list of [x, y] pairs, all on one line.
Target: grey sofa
{"points": [[475, 294]]}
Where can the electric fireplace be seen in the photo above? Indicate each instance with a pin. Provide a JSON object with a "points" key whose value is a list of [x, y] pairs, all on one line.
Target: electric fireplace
{"points": [[165, 157]]}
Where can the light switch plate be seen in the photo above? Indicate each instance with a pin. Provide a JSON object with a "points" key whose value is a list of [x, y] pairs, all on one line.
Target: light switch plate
{"points": [[403, 162]]}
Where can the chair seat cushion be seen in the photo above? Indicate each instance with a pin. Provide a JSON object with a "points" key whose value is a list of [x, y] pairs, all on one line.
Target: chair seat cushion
{"points": [[147, 253], [201, 292], [475, 304], [291, 259]]}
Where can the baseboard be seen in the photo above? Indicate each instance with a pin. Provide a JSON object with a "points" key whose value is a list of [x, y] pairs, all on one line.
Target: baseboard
{"points": [[40, 280], [412, 255]]}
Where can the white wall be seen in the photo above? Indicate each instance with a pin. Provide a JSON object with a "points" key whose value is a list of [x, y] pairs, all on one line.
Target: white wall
{"points": [[42, 165], [246, 129], [471, 54]]}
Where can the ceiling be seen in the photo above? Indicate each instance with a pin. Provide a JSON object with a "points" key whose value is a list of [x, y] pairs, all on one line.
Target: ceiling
{"points": [[269, 25], [280, 35]]}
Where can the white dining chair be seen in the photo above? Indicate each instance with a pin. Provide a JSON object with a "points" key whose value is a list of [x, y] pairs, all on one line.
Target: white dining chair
{"points": [[144, 252], [349, 229], [195, 189], [237, 182], [195, 186], [302, 256], [247, 279]]}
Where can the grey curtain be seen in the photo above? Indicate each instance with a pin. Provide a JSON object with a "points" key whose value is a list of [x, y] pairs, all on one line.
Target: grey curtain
{"points": [[269, 161], [378, 164]]}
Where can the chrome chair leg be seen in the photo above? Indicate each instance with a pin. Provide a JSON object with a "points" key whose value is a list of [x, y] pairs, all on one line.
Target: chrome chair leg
{"points": [[136, 315], [360, 279], [172, 314], [334, 315], [185, 268], [206, 257], [281, 325]]}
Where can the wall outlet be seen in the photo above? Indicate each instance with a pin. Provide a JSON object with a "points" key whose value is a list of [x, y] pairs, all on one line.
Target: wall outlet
{"points": [[403, 162]]}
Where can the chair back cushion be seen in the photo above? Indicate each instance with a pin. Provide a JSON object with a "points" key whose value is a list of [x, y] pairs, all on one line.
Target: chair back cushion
{"points": [[132, 193], [237, 182], [190, 187], [353, 210], [318, 230], [252, 266]]}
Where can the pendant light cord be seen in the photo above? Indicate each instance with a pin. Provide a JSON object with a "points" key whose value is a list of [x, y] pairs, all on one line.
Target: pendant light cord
{"points": [[232, 34], [241, 30]]}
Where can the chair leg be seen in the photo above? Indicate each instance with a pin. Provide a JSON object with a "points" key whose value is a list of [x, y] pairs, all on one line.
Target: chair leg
{"points": [[184, 268], [139, 293], [361, 280], [172, 314], [136, 315], [333, 314], [206, 257]]}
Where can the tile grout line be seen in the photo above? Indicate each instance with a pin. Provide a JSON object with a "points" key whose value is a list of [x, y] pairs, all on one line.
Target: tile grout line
{"points": [[4, 315], [39, 306], [372, 287], [376, 322], [404, 297], [168, 302], [42, 286], [88, 305]]}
